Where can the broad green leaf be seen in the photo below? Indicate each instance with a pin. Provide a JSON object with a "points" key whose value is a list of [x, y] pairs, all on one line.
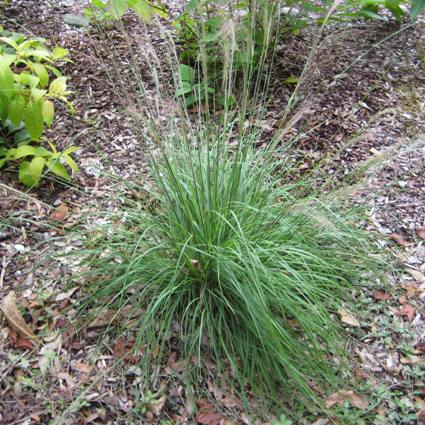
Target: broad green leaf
{"points": [[39, 53], [30, 172], [417, 7], [41, 151], [186, 73], [16, 110], [10, 153], [48, 111], [143, 9], [185, 88], [23, 151], [58, 87], [190, 100], [371, 14], [57, 168], [394, 7], [117, 7], [210, 36], [34, 122], [42, 74]]}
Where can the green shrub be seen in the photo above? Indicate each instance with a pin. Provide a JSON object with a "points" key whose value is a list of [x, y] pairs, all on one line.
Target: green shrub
{"points": [[30, 83], [113, 9]]}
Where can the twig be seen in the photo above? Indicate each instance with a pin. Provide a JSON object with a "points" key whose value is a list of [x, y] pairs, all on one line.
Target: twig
{"points": [[4, 264], [24, 195]]}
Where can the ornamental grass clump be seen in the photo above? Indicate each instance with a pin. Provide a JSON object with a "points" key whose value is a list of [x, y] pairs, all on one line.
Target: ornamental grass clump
{"points": [[227, 260]]}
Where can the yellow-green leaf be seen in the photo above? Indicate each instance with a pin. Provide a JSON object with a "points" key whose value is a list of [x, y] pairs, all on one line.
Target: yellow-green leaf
{"points": [[143, 9], [59, 53], [58, 87], [30, 172], [23, 151], [37, 94], [48, 111]]}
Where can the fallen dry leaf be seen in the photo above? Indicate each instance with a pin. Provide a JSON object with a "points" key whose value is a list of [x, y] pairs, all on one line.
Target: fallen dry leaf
{"points": [[323, 421], [420, 346], [65, 295], [411, 360], [24, 343], [47, 354], [67, 378], [176, 365], [103, 319], [210, 418], [421, 414], [120, 347], [157, 405], [381, 296], [60, 213], [408, 311], [348, 318], [356, 400], [106, 317], [417, 275], [421, 232], [82, 367], [207, 416], [13, 316], [397, 239], [412, 290]]}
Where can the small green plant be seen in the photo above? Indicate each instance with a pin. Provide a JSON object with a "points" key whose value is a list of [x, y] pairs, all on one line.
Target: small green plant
{"points": [[114, 9], [30, 84], [193, 92], [282, 421], [206, 31], [368, 9]]}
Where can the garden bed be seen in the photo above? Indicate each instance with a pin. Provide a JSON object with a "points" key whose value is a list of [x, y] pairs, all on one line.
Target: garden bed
{"points": [[373, 111]]}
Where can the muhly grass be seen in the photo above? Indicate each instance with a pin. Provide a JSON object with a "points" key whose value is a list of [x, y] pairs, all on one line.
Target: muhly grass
{"points": [[226, 259], [230, 262]]}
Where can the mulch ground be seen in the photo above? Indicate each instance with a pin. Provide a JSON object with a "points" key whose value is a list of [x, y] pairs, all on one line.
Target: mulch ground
{"points": [[362, 128]]}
